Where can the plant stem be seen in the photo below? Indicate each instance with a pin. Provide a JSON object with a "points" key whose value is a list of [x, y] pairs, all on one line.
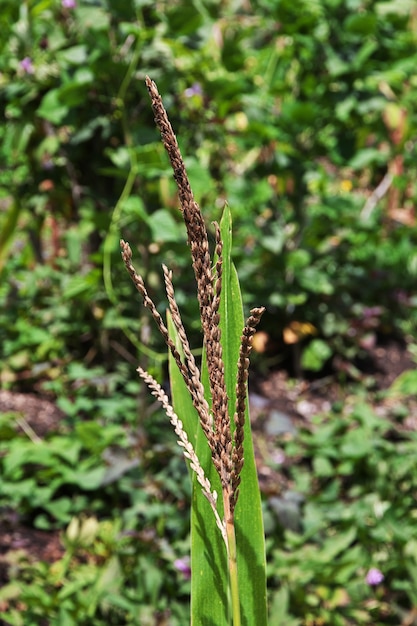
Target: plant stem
{"points": [[233, 579]]}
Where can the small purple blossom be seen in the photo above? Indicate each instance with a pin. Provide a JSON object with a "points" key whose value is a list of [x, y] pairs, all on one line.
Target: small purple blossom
{"points": [[194, 90], [27, 65], [374, 577], [372, 311], [69, 4], [278, 457], [183, 566], [401, 297]]}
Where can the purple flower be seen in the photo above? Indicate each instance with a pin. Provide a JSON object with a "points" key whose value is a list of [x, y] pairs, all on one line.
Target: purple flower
{"points": [[69, 4], [27, 65], [372, 311], [279, 457], [374, 577], [194, 90], [183, 566]]}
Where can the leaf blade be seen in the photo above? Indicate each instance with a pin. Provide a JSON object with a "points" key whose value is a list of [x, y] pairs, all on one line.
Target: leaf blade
{"points": [[248, 515], [209, 584], [208, 556]]}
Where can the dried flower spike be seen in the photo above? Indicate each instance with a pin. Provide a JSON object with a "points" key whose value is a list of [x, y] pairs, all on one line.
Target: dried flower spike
{"points": [[224, 438]]}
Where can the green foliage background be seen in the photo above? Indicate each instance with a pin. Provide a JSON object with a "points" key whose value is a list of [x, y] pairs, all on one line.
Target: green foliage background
{"points": [[293, 112]]}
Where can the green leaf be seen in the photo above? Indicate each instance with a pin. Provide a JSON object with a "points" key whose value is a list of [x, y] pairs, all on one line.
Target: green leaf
{"points": [[209, 585], [200, 178], [336, 544], [405, 384], [367, 157], [315, 280], [315, 355], [164, 227], [51, 107], [209, 580], [248, 515], [93, 18], [299, 112], [76, 55], [89, 478], [7, 229], [361, 23]]}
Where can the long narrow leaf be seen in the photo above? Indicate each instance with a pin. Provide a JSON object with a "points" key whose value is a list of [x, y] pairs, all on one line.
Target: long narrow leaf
{"points": [[248, 515], [209, 580], [209, 586]]}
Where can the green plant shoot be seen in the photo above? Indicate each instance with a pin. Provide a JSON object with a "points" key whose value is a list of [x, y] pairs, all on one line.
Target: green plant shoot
{"points": [[210, 416], [208, 556]]}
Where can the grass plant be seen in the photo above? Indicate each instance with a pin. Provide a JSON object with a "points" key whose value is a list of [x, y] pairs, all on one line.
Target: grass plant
{"points": [[212, 426]]}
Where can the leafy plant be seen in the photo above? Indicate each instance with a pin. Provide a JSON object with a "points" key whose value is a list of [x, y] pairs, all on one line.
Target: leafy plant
{"points": [[353, 560], [106, 576], [306, 121], [297, 147], [225, 371], [48, 480]]}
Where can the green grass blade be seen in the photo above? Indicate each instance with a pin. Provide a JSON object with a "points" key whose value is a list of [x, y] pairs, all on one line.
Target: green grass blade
{"points": [[209, 584], [248, 515], [7, 230]]}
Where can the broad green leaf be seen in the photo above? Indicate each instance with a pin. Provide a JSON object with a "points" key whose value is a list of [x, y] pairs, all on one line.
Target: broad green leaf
{"points": [[75, 55], [199, 175], [89, 478], [315, 280], [164, 227], [51, 108], [93, 18], [361, 23], [405, 384], [333, 546], [315, 355], [209, 588]]}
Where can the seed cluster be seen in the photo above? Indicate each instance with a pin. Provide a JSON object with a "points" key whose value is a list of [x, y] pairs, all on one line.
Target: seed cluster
{"points": [[226, 443]]}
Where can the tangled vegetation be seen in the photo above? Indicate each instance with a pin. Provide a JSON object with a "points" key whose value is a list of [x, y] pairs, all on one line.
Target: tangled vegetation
{"points": [[302, 117]]}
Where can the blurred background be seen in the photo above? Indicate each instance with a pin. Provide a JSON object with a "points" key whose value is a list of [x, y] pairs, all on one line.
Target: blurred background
{"points": [[302, 117]]}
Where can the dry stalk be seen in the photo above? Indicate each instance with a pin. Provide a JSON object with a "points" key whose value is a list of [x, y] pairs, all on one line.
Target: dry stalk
{"points": [[200, 252], [241, 397], [183, 442]]}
